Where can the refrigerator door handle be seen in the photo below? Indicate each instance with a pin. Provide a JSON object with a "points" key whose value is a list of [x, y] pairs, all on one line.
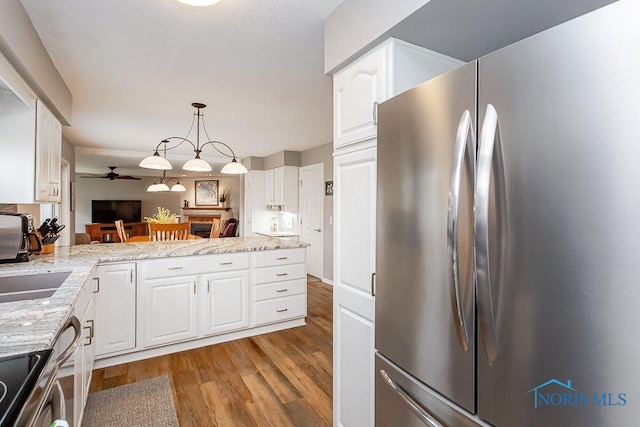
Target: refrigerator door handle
{"points": [[465, 144], [489, 142], [424, 416]]}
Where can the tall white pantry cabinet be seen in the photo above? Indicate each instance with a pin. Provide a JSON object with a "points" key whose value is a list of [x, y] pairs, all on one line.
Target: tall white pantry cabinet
{"points": [[387, 70]]}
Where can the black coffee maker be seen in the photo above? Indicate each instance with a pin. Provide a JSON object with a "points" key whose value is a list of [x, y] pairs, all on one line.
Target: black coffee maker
{"points": [[18, 239]]}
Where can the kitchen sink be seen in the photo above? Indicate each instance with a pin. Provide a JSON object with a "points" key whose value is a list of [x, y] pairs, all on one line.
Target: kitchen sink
{"points": [[31, 286]]}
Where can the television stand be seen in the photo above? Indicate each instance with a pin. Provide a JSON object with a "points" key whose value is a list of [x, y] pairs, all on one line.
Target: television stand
{"points": [[106, 232]]}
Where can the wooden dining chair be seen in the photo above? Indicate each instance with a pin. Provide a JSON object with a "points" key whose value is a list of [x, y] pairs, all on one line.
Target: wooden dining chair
{"points": [[215, 228], [122, 234], [160, 232]]}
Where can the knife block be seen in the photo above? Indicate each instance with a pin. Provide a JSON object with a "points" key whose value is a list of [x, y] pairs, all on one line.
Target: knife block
{"points": [[47, 249]]}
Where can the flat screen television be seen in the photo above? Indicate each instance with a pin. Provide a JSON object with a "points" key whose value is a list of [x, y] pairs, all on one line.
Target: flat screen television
{"points": [[112, 210]]}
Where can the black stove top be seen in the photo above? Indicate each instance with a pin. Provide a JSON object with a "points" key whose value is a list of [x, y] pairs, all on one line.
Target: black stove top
{"points": [[18, 376]]}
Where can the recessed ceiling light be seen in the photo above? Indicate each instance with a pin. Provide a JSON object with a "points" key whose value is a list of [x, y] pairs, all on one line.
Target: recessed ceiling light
{"points": [[199, 2]]}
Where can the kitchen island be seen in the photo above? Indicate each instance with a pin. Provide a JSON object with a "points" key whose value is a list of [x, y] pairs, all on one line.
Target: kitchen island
{"points": [[34, 325]]}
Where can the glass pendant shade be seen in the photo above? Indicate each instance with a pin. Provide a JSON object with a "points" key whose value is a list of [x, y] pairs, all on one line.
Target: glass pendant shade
{"points": [[156, 162], [199, 2], [152, 188], [162, 187], [197, 165], [178, 187], [234, 168]]}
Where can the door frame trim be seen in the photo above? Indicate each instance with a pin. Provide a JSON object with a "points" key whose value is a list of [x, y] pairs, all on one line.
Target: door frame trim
{"points": [[319, 166]]}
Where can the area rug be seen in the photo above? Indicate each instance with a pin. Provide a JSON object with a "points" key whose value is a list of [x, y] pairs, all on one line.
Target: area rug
{"points": [[144, 403]]}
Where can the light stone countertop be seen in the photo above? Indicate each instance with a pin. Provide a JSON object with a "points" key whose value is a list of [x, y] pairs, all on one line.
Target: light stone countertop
{"points": [[33, 325]]}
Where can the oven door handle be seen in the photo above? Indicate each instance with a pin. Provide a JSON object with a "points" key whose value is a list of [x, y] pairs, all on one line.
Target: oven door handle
{"points": [[75, 323], [58, 402]]}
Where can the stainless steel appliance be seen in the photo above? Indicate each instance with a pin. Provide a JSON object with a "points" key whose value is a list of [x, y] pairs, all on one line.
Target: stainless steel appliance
{"points": [[30, 392], [18, 239], [507, 279]]}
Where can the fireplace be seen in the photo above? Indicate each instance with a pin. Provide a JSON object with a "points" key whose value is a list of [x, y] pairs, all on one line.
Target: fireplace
{"points": [[202, 229], [202, 219]]}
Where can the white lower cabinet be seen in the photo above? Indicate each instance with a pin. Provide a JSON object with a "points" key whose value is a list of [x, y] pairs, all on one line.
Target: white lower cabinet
{"points": [[176, 302], [170, 310], [84, 358], [224, 306], [115, 294]]}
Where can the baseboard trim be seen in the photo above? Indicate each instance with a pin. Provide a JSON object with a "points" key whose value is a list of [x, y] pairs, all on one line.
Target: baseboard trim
{"points": [[106, 361]]}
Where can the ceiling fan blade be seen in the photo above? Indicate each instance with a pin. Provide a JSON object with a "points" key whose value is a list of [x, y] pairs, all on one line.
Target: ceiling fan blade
{"points": [[127, 177], [92, 176]]}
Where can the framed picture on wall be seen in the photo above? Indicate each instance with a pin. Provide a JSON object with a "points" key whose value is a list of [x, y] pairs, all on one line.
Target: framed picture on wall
{"points": [[207, 192]]}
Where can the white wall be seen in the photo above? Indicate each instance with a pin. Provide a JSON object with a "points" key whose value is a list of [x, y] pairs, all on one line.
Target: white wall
{"points": [[88, 189]]}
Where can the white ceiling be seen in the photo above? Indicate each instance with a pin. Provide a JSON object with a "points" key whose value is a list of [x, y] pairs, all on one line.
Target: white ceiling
{"points": [[135, 66]]}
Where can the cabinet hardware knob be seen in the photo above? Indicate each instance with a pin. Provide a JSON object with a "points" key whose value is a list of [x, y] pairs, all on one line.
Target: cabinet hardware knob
{"points": [[97, 289], [282, 290], [282, 310], [280, 258], [175, 268], [226, 263], [281, 274]]}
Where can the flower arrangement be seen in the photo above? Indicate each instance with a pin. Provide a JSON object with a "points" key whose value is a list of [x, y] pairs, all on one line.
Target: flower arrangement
{"points": [[163, 216], [223, 196]]}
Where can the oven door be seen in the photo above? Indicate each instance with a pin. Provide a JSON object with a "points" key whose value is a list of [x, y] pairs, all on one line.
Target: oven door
{"points": [[47, 403], [54, 407]]}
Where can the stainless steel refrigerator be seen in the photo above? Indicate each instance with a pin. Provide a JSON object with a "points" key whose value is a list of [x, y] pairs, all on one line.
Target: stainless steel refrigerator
{"points": [[508, 238]]}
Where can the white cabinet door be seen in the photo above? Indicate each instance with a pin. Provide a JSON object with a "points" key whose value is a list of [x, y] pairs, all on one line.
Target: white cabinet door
{"points": [[354, 340], [291, 188], [388, 69], [224, 302], [356, 91], [170, 311], [353, 309], [115, 324], [268, 186], [278, 186], [84, 358], [255, 215], [55, 158], [48, 155]]}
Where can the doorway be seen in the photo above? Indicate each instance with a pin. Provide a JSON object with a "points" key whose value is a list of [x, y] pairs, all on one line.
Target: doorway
{"points": [[311, 216]]}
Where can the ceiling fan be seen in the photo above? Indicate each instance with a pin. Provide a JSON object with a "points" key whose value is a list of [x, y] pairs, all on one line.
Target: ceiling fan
{"points": [[112, 175]]}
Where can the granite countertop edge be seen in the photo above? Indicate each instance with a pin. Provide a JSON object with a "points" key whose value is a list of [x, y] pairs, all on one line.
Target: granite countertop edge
{"points": [[33, 325]]}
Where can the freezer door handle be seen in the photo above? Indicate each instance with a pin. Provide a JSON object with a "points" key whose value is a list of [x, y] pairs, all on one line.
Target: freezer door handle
{"points": [[490, 143], [465, 143], [424, 416]]}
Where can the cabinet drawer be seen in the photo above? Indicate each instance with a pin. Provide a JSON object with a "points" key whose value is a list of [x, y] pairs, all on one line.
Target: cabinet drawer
{"points": [[280, 309], [279, 257], [184, 266], [278, 290], [278, 274]]}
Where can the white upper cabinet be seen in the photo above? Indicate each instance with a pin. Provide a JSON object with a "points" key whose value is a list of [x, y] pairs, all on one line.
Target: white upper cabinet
{"points": [[48, 155], [281, 187], [385, 71], [30, 142]]}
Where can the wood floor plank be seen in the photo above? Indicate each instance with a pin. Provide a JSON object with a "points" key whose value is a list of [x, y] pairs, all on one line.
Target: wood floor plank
{"points": [[272, 413], [278, 379]]}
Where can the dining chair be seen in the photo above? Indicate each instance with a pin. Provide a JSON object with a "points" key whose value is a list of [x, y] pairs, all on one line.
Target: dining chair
{"points": [[230, 228], [159, 232], [122, 234], [215, 228]]}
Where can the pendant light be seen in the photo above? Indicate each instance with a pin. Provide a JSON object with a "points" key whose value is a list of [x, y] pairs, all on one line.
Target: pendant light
{"points": [[156, 161]]}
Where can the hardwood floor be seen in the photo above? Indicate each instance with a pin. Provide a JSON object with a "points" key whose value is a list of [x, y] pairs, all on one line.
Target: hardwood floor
{"points": [[278, 379]]}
